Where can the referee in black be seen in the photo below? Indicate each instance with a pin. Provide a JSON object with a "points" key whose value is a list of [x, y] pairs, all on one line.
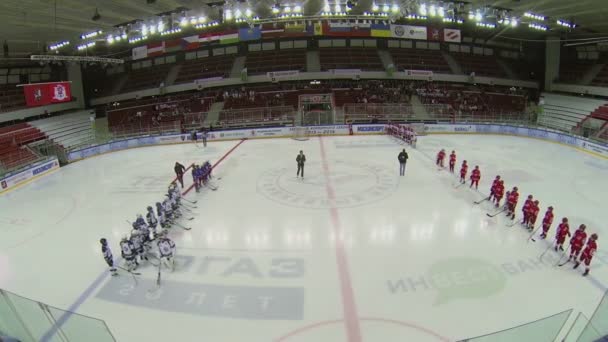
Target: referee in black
{"points": [[179, 172], [300, 159], [402, 157]]}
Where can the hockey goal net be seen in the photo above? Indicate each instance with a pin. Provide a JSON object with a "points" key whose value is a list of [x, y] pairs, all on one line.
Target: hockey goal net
{"points": [[300, 133]]}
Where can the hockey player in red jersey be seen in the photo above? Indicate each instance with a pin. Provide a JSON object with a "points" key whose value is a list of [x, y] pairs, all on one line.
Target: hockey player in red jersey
{"points": [[452, 161], [463, 171], [525, 210], [512, 203], [547, 221], [533, 215], [563, 231], [493, 188], [440, 158], [588, 253], [475, 177], [577, 242], [499, 191]]}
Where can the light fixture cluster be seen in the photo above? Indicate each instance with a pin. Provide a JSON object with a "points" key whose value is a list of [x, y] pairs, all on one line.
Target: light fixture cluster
{"points": [[91, 34], [286, 9], [538, 27], [416, 17], [137, 39], [431, 10], [565, 23], [513, 22], [168, 32], [202, 26], [453, 20], [237, 13], [534, 16], [371, 14], [59, 45], [485, 25], [85, 46], [111, 39]]}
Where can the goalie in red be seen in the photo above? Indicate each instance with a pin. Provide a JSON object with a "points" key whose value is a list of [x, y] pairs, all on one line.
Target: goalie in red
{"points": [[588, 253]]}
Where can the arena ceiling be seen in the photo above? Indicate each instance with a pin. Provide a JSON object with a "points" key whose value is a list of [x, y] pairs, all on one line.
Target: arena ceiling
{"points": [[40, 21]]}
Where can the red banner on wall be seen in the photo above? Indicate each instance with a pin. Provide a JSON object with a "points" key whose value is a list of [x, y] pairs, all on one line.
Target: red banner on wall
{"points": [[41, 94]]}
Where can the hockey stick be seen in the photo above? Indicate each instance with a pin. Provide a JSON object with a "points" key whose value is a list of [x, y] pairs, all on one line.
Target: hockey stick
{"points": [[212, 187], [157, 280], [483, 200], [458, 186], [563, 254], [500, 211], [188, 205], [534, 232], [124, 269], [193, 202], [562, 264], [546, 250], [181, 226]]}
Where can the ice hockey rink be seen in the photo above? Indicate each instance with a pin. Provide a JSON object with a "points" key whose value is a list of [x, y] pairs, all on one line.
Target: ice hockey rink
{"points": [[352, 252]]}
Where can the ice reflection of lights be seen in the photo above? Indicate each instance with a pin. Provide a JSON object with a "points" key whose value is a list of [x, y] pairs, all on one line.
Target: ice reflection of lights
{"points": [[346, 238], [216, 238], [422, 232], [297, 238], [384, 234], [460, 227], [257, 239]]}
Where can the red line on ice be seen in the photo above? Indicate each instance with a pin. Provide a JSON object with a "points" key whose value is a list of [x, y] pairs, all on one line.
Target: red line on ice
{"points": [[351, 319]]}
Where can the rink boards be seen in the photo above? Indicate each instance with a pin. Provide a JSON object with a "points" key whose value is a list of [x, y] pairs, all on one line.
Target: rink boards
{"points": [[34, 171], [594, 148]]}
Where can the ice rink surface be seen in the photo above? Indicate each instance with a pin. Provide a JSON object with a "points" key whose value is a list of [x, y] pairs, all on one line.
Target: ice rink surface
{"points": [[352, 252]]}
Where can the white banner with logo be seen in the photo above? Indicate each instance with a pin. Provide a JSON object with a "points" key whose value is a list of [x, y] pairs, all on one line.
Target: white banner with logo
{"points": [[451, 35], [35, 170], [408, 32], [140, 52], [277, 75], [418, 73]]}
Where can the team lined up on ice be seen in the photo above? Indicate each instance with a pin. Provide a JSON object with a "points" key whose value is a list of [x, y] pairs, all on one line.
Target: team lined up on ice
{"points": [[148, 238], [406, 133], [530, 211]]}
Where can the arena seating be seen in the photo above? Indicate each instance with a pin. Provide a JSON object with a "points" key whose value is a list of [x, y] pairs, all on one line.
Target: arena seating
{"points": [[572, 70], [146, 78], [419, 59], [159, 114], [479, 64], [207, 67], [68, 130], [270, 116], [365, 59], [566, 112], [261, 62], [11, 97], [13, 152], [601, 79]]}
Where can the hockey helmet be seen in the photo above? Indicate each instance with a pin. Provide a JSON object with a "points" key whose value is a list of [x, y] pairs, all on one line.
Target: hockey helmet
{"points": [[593, 236], [464, 161], [582, 227], [515, 188], [530, 197], [536, 202], [550, 208], [103, 241], [565, 219], [149, 208], [134, 225], [125, 237]]}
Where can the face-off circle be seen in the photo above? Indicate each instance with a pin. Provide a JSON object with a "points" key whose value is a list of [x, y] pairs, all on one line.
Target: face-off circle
{"points": [[354, 184]]}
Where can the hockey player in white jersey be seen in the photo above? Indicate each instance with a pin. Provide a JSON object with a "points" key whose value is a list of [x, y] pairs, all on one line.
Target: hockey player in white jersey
{"points": [[107, 255], [138, 238], [166, 250], [127, 251], [162, 217], [168, 209], [152, 222]]}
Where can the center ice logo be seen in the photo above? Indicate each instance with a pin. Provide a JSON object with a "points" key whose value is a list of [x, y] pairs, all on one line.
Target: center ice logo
{"points": [[355, 184]]}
